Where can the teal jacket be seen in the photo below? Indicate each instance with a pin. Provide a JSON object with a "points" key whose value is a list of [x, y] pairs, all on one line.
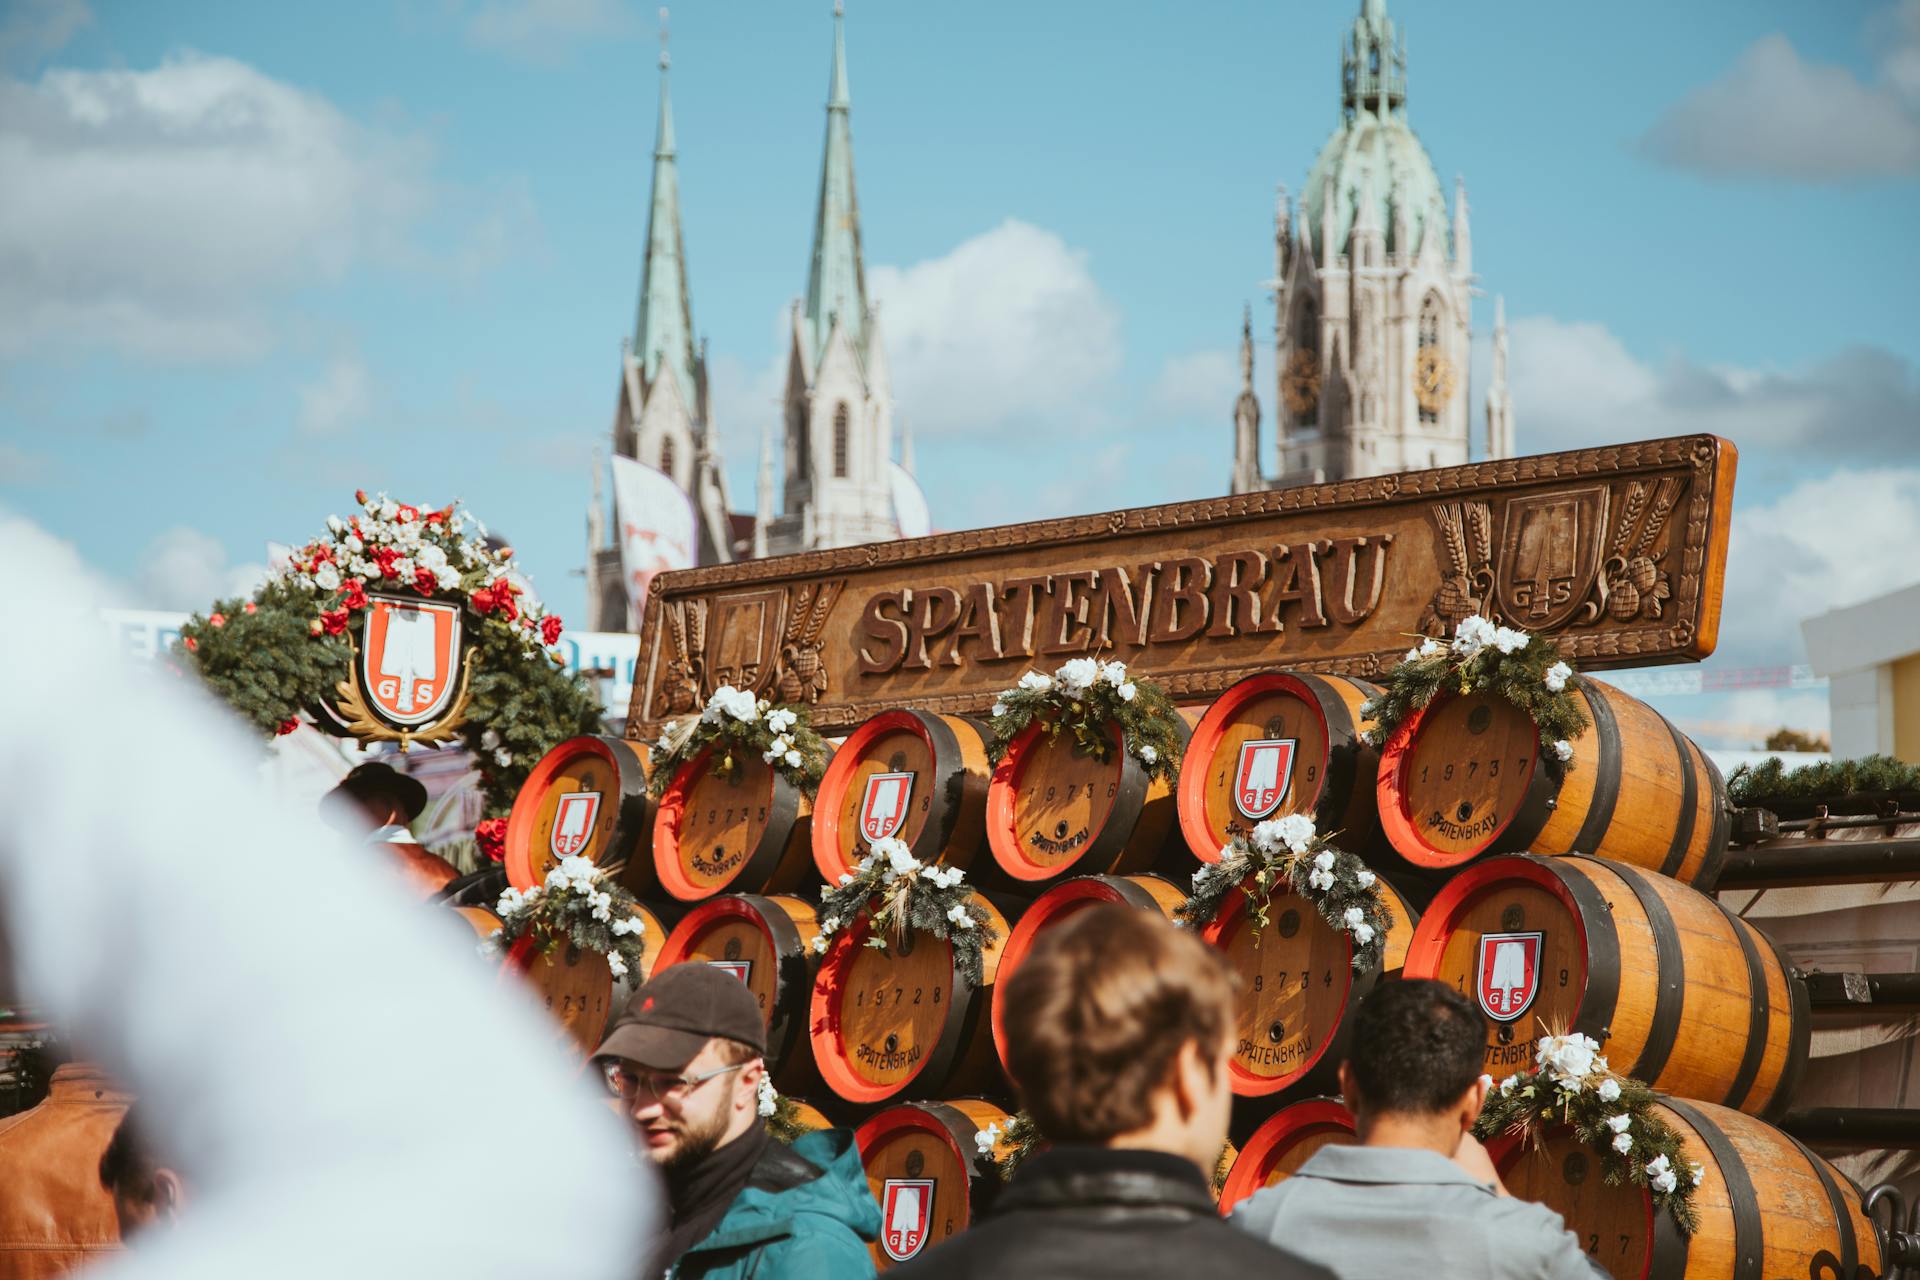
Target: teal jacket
{"points": [[806, 1214]]}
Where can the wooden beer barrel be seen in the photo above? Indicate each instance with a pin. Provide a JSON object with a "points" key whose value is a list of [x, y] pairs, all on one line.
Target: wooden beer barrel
{"points": [[1679, 992], [1052, 811], [1768, 1206], [926, 1172], [744, 833], [903, 1021], [1293, 731], [1465, 777], [577, 987], [917, 777], [766, 942], [1298, 990], [587, 797], [1145, 893], [1283, 1143], [808, 1116]]}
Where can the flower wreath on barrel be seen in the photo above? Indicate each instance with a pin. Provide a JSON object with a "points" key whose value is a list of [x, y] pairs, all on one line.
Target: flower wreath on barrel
{"points": [[580, 905], [735, 721], [1522, 670], [1286, 854], [280, 655], [899, 893], [1006, 1146], [1083, 698], [1572, 1086]]}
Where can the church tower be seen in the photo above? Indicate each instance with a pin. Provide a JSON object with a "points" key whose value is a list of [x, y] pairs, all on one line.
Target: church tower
{"points": [[661, 410], [1373, 287], [838, 482]]}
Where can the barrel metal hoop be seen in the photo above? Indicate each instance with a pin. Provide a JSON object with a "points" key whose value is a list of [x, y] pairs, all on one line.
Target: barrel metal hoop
{"points": [[1799, 1036], [946, 790], [1602, 991], [1716, 855], [1535, 810], [1116, 833], [961, 1020], [1689, 802], [1671, 997], [783, 811], [1127, 892], [1343, 759], [1758, 1010], [1843, 1220], [788, 1028], [1606, 787], [1669, 1248], [1749, 1231]]}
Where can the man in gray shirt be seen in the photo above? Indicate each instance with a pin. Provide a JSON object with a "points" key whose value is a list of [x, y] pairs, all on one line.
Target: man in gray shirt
{"points": [[1419, 1195]]}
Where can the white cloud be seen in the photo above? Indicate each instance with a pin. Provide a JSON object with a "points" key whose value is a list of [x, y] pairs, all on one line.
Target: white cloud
{"points": [[33, 28], [1008, 329], [337, 400], [186, 569], [1776, 115], [1199, 385], [542, 30]]}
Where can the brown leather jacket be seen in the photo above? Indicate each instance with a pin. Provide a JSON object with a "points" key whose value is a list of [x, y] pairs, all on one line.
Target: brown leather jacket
{"points": [[54, 1214]]}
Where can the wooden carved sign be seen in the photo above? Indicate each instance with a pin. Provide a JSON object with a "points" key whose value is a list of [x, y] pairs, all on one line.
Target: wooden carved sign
{"points": [[1617, 552]]}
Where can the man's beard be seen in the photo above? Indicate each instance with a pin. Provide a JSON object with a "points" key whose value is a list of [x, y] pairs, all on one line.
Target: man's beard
{"points": [[696, 1144]]}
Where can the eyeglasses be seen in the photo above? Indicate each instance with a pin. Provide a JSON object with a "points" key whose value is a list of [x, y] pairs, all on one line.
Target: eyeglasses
{"points": [[624, 1082]]}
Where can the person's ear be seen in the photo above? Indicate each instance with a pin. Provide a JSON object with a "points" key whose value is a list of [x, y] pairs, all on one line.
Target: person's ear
{"points": [[1349, 1094], [169, 1192], [748, 1093]]}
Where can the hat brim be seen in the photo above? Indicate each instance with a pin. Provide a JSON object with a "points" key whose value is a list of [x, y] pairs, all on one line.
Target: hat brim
{"points": [[656, 1048]]}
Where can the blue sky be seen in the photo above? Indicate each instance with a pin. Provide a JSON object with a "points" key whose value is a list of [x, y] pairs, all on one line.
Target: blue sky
{"points": [[269, 253]]}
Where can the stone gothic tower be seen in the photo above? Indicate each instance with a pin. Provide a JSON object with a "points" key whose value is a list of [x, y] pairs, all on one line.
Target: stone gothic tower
{"points": [[1372, 287], [838, 399]]}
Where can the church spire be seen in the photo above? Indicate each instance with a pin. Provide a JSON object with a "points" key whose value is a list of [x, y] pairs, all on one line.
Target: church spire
{"points": [[1246, 416], [1373, 71], [1499, 403], [836, 284], [663, 330]]}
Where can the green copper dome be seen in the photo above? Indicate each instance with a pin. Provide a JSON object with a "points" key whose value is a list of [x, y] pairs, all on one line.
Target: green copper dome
{"points": [[1361, 148]]}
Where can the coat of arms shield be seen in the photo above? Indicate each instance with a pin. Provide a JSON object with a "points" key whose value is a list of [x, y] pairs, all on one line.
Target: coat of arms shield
{"points": [[1550, 552], [409, 658], [1264, 776], [906, 1212], [883, 806], [1507, 973], [573, 822]]}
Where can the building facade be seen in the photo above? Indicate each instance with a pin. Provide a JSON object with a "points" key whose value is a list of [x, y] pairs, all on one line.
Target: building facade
{"points": [[1372, 290]]}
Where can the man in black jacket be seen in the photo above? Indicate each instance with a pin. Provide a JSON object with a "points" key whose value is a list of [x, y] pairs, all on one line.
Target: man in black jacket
{"points": [[1118, 1031]]}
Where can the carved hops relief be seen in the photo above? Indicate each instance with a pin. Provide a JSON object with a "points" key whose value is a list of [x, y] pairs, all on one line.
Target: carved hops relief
{"points": [[803, 677], [1466, 566], [1632, 583], [686, 665]]}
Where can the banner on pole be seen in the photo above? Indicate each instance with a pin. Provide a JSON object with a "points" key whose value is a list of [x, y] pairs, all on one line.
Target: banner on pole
{"points": [[656, 523]]}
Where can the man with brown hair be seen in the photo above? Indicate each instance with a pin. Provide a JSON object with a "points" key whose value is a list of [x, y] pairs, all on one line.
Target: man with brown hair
{"points": [[1118, 1031]]}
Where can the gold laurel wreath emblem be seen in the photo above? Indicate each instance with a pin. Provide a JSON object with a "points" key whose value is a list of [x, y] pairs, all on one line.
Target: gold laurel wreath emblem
{"points": [[368, 727]]}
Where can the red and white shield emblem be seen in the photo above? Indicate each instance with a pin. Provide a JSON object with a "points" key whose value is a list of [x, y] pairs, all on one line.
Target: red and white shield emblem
{"points": [[573, 823], [410, 655], [883, 809], [738, 968], [1264, 777], [906, 1211], [1507, 974]]}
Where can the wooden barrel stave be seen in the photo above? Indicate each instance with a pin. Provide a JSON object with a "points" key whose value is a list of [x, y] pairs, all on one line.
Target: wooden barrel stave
{"points": [[1299, 991], [1466, 777], [1768, 1206], [900, 1023], [609, 828], [1331, 774], [767, 942], [926, 1148], [945, 818], [577, 987], [1662, 975], [741, 833], [1061, 902], [1284, 1142]]}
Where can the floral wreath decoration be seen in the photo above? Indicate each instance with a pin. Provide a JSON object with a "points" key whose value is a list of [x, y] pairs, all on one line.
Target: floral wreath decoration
{"points": [[899, 893], [1521, 669], [735, 721], [1288, 855], [276, 656], [578, 904], [1083, 697], [1006, 1146], [1571, 1085], [779, 1112]]}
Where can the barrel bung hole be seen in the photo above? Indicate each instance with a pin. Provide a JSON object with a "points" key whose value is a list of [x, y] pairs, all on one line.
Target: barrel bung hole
{"points": [[1464, 812], [1478, 721], [1505, 1033], [893, 1042], [1277, 1032]]}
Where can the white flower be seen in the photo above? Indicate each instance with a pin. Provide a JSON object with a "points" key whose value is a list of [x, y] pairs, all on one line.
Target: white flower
{"points": [[1472, 635], [793, 759], [846, 877], [877, 944], [1320, 880], [985, 1139], [1486, 1081], [1609, 1090], [431, 557], [1114, 673], [557, 879], [1363, 934], [1506, 1086], [1295, 831], [1660, 1175], [769, 1101], [1078, 674], [1147, 754], [388, 509], [579, 868], [961, 918], [1699, 1173], [627, 925], [1658, 1165], [1620, 1123], [1569, 1057], [1128, 692], [781, 720], [1557, 676], [1623, 1143], [820, 945], [1035, 681], [738, 703], [353, 544], [897, 854], [1664, 1182], [327, 577], [1323, 861], [490, 740], [616, 965], [830, 925], [336, 524], [999, 708], [1507, 640], [447, 576], [1365, 879], [780, 746], [503, 758], [1563, 750], [511, 900], [404, 567], [1353, 916]]}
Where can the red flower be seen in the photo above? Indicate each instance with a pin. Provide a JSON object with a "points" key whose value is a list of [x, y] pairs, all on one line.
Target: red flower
{"points": [[550, 629], [386, 558], [491, 836], [193, 646], [424, 582], [334, 620], [360, 496], [483, 600], [508, 609], [506, 553], [287, 727], [354, 594], [250, 607], [441, 516], [407, 514], [216, 619]]}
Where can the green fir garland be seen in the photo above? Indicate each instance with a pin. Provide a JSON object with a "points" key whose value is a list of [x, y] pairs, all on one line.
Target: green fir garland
{"points": [[738, 725], [1087, 698], [1523, 670], [577, 904], [897, 893], [1769, 783]]}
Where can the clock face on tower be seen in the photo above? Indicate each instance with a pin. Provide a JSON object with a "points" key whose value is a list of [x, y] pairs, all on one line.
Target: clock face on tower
{"points": [[1432, 379], [1300, 384]]}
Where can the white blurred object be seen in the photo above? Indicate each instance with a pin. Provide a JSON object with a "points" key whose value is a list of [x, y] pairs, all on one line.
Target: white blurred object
{"points": [[349, 1088], [911, 514]]}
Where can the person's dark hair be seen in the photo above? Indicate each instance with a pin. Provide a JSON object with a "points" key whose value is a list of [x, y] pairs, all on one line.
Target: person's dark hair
{"points": [[1417, 1044], [1097, 1012], [126, 1167]]}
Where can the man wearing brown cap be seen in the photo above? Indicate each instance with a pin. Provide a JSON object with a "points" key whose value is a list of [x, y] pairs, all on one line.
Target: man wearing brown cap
{"points": [[685, 1060], [378, 801]]}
